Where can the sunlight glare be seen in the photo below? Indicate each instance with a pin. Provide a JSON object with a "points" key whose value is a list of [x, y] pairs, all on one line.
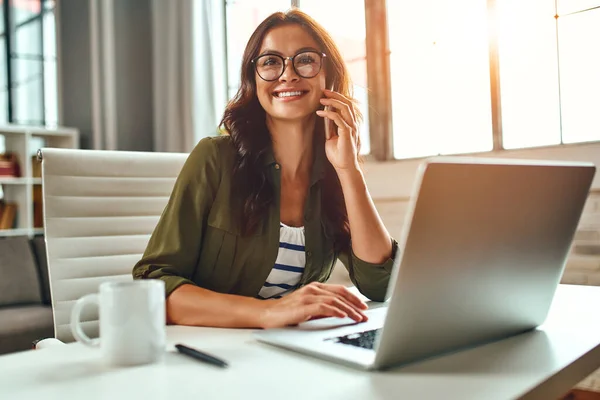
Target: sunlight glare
{"points": [[579, 40], [440, 77], [528, 73]]}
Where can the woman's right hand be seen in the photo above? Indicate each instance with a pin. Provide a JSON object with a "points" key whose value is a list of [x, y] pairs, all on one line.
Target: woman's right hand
{"points": [[315, 300]]}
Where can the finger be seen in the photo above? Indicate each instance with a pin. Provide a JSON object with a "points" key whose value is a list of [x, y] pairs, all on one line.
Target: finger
{"points": [[338, 96], [315, 293], [335, 301], [343, 128], [321, 310], [347, 308], [324, 289], [341, 291], [329, 132], [351, 107], [343, 108]]}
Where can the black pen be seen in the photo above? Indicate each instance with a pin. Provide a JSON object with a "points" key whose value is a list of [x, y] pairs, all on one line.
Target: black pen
{"points": [[188, 351]]}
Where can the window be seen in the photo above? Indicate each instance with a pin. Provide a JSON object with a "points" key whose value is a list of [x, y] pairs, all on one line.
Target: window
{"points": [[441, 101], [547, 68], [550, 88], [28, 84], [3, 70], [574, 6], [579, 58], [243, 16], [528, 66], [349, 35]]}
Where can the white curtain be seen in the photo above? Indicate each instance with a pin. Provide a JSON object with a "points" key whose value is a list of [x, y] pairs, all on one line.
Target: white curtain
{"points": [[190, 80]]}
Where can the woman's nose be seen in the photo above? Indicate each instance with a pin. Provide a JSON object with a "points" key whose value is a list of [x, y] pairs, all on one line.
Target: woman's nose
{"points": [[289, 74]]}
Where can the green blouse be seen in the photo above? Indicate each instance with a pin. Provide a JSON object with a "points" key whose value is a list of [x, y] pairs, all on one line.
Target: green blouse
{"points": [[198, 241]]}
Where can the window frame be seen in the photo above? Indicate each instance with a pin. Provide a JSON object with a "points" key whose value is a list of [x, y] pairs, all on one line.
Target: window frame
{"points": [[378, 63], [379, 83], [10, 29]]}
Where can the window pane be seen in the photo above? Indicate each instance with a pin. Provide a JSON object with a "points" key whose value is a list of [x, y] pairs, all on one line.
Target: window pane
{"points": [[243, 16], [24, 112], [50, 73], [24, 10], [349, 35], [27, 92], [3, 83], [3, 77], [50, 94], [440, 77], [579, 51], [1, 18], [570, 6], [49, 38], [528, 73], [3, 107], [28, 38]]}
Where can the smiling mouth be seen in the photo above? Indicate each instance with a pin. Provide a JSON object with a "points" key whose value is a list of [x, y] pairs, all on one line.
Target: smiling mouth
{"points": [[289, 94]]}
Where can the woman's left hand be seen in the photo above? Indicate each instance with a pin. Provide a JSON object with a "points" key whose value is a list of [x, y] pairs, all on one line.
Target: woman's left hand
{"points": [[341, 146]]}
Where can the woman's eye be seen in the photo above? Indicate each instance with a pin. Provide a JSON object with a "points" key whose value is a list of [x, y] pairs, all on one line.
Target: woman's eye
{"points": [[271, 61], [306, 60]]}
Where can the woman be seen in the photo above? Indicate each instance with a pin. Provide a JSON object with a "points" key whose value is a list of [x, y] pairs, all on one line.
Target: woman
{"points": [[265, 211]]}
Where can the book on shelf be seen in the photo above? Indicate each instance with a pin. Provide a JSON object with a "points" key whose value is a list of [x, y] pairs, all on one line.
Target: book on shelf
{"points": [[9, 165], [38, 207], [8, 215]]}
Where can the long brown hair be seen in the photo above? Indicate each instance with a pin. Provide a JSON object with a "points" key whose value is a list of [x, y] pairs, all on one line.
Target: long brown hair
{"points": [[244, 120]]}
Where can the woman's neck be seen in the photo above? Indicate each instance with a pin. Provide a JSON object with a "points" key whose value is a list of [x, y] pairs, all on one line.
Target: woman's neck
{"points": [[293, 146]]}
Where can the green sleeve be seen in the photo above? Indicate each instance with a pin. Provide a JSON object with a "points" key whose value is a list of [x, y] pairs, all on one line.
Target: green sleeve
{"points": [[174, 248], [370, 279]]}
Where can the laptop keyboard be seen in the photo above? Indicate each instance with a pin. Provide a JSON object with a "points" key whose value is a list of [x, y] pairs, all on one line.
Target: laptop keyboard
{"points": [[365, 339]]}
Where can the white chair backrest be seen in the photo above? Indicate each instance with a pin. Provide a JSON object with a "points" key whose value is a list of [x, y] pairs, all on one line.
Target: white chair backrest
{"points": [[100, 208]]}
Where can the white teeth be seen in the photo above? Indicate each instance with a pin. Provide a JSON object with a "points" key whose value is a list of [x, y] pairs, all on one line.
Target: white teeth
{"points": [[288, 94]]}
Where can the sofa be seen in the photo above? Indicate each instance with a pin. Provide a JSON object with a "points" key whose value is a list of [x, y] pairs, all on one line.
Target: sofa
{"points": [[25, 307]]}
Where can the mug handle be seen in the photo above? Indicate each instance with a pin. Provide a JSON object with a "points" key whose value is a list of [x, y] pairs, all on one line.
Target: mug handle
{"points": [[76, 329]]}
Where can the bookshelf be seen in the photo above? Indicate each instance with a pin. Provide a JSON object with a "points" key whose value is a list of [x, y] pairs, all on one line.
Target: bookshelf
{"points": [[25, 141]]}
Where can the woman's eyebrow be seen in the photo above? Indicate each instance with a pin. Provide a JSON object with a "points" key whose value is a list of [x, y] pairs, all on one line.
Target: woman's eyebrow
{"points": [[270, 51], [303, 49]]}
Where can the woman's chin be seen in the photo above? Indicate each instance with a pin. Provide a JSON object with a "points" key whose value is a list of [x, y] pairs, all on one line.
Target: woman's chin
{"points": [[292, 113]]}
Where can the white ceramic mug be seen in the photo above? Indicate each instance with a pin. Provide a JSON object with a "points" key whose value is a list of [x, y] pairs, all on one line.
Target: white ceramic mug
{"points": [[132, 321]]}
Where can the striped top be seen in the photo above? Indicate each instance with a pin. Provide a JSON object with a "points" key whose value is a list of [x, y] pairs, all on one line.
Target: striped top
{"points": [[289, 264]]}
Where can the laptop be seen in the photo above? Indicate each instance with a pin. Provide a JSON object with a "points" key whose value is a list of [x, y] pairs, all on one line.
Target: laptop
{"points": [[484, 246]]}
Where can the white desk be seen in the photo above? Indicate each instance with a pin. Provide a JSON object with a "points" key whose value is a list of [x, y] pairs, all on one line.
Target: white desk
{"points": [[538, 365]]}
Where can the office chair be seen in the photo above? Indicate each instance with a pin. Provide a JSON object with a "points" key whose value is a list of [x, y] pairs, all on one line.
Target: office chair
{"points": [[100, 208]]}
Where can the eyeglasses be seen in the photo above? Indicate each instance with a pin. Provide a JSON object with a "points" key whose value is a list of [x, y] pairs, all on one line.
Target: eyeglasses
{"points": [[270, 67]]}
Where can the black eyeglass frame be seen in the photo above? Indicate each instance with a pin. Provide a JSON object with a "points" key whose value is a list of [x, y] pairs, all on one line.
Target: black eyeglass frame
{"points": [[292, 58]]}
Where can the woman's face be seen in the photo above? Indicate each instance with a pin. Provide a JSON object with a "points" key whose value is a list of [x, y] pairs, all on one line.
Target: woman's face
{"points": [[291, 96]]}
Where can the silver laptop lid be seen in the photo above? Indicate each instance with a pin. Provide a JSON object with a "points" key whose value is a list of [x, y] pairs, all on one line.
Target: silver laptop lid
{"points": [[483, 248]]}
